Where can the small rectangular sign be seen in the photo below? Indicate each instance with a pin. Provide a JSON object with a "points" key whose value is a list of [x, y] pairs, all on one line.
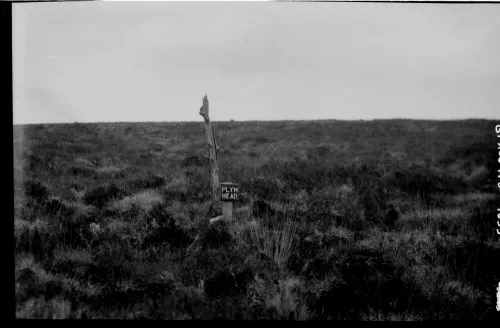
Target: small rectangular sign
{"points": [[229, 192]]}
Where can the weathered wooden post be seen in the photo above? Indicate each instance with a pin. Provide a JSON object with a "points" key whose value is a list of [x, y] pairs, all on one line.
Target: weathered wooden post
{"points": [[229, 194], [228, 191], [213, 148]]}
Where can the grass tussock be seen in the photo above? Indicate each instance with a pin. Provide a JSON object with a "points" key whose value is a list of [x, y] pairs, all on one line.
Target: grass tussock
{"points": [[144, 201], [274, 243]]}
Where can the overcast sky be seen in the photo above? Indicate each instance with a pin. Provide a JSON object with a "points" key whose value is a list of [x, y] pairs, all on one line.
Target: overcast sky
{"points": [[110, 61]]}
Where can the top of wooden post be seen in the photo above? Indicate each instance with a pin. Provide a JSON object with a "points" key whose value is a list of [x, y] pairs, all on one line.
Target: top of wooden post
{"points": [[229, 183], [204, 109]]}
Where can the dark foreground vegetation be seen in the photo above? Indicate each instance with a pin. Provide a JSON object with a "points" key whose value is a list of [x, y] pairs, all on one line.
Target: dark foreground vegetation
{"points": [[378, 220]]}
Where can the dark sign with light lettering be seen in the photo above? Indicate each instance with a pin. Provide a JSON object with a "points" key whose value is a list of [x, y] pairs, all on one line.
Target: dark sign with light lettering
{"points": [[229, 191]]}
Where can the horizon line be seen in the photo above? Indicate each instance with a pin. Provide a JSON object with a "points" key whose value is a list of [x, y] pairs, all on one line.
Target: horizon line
{"points": [[249, 121]]}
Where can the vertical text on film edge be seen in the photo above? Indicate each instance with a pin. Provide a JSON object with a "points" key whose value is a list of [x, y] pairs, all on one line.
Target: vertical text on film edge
{"points": [[497, 130]]}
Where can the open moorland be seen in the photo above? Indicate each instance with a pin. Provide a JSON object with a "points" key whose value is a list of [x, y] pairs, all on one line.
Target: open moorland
{"points": [[339, 220]]}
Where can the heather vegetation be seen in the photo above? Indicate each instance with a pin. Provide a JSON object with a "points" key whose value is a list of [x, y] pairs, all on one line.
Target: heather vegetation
{"points": [[359, 220]]}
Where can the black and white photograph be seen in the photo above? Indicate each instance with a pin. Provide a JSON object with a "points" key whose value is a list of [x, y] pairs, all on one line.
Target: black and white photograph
{"points": [[256, 160]]}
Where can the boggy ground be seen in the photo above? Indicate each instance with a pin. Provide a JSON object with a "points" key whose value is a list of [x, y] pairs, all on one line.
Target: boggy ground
{"points": [[376, 220]]}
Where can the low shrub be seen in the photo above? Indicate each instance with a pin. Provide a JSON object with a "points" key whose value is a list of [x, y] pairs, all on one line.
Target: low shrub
{"points": [[36, 190], [81, 171], [167, 231], [422, 182], [101, 195], [263, 188], [195, 161], [217, 235]]}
